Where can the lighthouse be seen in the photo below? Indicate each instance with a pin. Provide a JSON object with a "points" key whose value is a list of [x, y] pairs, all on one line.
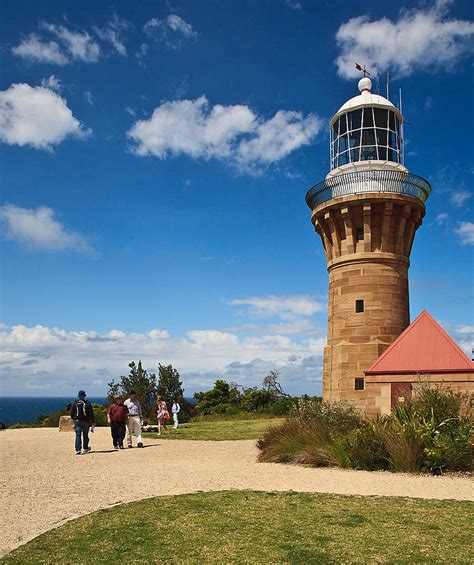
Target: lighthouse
{"points": [[366, 212]]}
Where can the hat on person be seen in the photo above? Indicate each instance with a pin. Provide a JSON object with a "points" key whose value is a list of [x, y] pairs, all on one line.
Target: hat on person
{"points": [[132, 392], [81, 393]]}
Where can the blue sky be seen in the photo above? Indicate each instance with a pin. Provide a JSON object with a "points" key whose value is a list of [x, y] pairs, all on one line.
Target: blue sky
{"points": [[155, 158]]}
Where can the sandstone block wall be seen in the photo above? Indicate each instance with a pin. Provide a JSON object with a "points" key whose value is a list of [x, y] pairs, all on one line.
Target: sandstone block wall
{"points": [[367, 239]]}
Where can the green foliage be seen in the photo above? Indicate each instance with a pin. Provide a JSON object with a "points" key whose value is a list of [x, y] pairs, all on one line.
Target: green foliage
{"points": [[52, 420], [254, 400], [171, 388], [100, 414], [231, 399], [340, 416], [219, 400], [431, 433], [142, 382]]}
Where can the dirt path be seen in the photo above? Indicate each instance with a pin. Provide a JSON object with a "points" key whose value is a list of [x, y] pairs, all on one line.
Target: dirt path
{"points": [[43, 482]]}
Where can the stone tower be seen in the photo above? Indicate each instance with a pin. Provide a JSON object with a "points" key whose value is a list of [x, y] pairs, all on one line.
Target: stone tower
{"points": [[366, 212]]}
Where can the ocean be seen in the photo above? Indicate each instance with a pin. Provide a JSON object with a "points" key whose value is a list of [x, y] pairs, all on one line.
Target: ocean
{"points": [[23, 409], [26, 409]]}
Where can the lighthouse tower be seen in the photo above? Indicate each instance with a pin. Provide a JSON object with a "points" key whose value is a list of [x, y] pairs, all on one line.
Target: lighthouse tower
{"points": [[366, 212]]}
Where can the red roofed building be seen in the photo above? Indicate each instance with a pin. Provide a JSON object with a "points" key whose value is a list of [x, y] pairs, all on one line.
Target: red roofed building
{"points": [[422, 352]]}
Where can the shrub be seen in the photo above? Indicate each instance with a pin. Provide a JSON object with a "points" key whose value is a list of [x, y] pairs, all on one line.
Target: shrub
{"points": [[339, 416], [431, 433], [281, 407], [366, 446], [311, 434]]}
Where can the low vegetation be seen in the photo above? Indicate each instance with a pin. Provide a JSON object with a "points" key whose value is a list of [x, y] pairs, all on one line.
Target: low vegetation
{"points": [[220, 430], [259, 527], [231, 399], [431, 433]]}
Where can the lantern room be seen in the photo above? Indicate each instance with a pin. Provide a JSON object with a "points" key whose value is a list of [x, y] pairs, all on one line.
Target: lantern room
{"points": [[367, 127]]}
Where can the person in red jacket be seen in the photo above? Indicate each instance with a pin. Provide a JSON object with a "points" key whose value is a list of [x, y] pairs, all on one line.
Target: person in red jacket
{"points": [[117, 417]]}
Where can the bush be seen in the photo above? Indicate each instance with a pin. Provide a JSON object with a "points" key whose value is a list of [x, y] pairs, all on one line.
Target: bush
{"points": [[311, 434], [52, 420], [281, 407], [431, 433]]}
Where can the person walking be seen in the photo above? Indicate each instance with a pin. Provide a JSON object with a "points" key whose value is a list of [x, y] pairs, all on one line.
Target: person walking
{"points": [[82, 414], [175, 410], [162, 414], [117, 417], [135, 417]]}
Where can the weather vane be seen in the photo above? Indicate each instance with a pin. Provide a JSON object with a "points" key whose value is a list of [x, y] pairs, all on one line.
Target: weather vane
{"points": [[362, 70]]}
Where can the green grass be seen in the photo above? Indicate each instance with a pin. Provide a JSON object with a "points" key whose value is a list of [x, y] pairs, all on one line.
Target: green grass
{"points": [[221, 430], [254, 527]]}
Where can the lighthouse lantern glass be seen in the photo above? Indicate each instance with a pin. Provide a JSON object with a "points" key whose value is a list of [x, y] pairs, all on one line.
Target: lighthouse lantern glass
{"points": [[366, 134]]}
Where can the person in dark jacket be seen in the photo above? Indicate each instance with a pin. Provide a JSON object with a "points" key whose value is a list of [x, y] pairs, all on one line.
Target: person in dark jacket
{"points": [[117, 417], [83, 416]]}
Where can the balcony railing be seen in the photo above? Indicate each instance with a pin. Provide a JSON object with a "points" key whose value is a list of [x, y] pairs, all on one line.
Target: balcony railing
{"points": [[360, 182]]}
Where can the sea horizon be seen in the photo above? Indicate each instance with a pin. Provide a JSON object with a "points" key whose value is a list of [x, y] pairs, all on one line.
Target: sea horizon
{"points": [[26, 409]]}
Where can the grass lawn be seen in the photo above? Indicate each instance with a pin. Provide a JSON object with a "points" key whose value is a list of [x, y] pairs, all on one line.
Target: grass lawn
{"points": [[253, 527], [220, 430]]}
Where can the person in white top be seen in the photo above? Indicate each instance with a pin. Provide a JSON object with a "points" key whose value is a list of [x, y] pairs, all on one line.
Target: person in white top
{"points": [[175, 409], [134, 419]]}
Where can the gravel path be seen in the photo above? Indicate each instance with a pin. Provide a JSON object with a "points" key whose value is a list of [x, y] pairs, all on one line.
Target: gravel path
{"points": [[43, 482]]}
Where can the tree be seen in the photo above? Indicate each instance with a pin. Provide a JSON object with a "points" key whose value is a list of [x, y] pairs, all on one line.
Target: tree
{"points": [[270, 382], [169, 385], [171, 388], [254, 399], [142, 382], [219, 399]]}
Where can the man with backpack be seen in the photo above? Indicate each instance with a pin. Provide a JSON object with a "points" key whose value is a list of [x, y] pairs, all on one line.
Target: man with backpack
{"points": [[83, 416]]}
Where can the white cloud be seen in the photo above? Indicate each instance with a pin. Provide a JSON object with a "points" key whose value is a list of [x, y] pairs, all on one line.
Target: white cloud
{"points": [[178, 25], [212, 337], [36, 116], [465, 231], [52, 82], [230, 133], [32, 48], [38, 228], [283, 307], [59, 45], [79, 44], [278, 137], [172, 31], [62, 360], [141, 53], [88, 97], [419, 39], [465, 329], [441, 218], [154, 334], [294, 5], [458, 197], [113, 33]]}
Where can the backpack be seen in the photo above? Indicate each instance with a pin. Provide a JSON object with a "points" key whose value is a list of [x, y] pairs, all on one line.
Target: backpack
{"points": [[80, 410]]}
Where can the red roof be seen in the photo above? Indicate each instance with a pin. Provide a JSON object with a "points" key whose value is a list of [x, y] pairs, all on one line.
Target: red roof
{"points": [[423, 347]]}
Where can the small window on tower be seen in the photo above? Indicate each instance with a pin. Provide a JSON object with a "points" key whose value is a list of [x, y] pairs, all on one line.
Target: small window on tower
{"points": [[359, 234], [359, 384], [359, 306]]}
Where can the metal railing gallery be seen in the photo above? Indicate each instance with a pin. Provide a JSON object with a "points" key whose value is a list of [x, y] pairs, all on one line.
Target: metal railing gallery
{"points": [[378, 181]]}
